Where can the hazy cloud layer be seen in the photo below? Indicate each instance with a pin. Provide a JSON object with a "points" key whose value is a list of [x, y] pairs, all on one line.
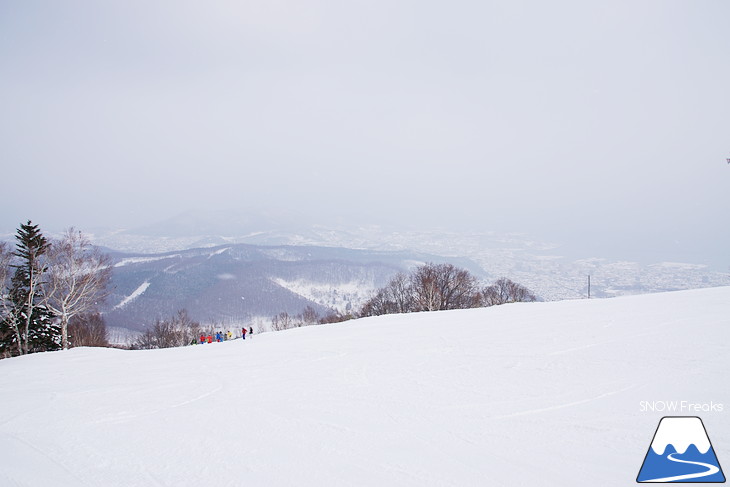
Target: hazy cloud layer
{"points": [[568, 119]]}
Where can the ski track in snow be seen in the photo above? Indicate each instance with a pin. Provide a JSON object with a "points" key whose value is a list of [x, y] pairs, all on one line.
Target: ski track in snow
{"points": [[125, 416], [566, 405], [596, 344], [68, 470], [197, 398]]}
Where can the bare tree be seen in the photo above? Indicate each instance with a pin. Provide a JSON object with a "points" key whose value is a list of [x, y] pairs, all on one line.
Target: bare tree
{"points": [[78, 274], [430, 287], [282, 321], [396, 297], [401, 293], [310, 316], [334, 317], [5, 257], [162, 335], [506, 291], [6, 304], [190, 329], [425, 288], [177, 331], [443, 286], [88, 330], [379, 304]]}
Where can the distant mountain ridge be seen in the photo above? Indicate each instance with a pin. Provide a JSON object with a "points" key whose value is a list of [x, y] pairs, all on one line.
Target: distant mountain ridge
{"points": [[550, 270], [233, 284]]}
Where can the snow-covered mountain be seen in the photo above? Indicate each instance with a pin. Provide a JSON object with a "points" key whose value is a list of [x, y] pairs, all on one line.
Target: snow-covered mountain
{"points": [[534, 394], [551, 270], [236, 284]]}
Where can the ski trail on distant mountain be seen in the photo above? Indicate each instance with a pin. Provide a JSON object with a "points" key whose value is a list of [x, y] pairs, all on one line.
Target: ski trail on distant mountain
{"points": [[135, 294], [712, 470], [566, 405]]}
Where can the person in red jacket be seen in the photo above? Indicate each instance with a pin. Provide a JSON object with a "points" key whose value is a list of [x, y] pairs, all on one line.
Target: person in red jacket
{"points": [[202, 338], [210, 338], [243, 332]]}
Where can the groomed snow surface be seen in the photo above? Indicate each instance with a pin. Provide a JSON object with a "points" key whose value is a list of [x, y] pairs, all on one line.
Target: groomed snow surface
{"points": [[543, 394]]}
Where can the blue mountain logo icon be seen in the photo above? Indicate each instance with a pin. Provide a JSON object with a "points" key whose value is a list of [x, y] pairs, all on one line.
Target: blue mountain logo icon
{"points": [[681, 452]]}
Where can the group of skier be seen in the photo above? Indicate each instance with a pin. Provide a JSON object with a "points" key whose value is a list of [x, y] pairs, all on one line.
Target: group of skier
{"points": [[224, 336]]}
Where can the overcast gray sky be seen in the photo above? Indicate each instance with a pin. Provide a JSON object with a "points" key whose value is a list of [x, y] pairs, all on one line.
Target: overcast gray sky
{"points": [[560, 118]]}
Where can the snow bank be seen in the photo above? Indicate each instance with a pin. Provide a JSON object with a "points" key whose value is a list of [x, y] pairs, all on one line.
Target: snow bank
{"points": [[542, 394]]}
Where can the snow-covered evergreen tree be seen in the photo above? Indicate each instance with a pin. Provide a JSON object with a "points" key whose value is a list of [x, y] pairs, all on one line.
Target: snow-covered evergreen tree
{"points": [[28, 325]]}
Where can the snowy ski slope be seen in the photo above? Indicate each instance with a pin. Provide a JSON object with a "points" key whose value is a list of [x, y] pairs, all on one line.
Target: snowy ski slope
{"points": [[543, 394]]}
